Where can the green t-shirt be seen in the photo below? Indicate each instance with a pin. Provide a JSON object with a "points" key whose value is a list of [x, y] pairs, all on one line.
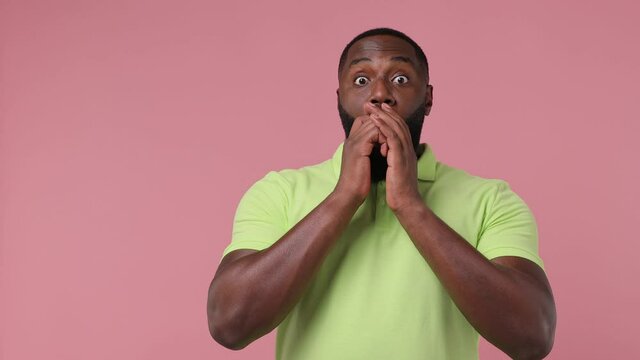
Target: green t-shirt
{"points": [[375, 297]]}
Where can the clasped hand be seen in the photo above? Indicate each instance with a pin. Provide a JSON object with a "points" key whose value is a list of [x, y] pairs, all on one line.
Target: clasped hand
{"points": [[397, 147]]}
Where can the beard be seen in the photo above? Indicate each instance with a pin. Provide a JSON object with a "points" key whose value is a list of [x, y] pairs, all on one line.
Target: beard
{"points": [[378, 162]]}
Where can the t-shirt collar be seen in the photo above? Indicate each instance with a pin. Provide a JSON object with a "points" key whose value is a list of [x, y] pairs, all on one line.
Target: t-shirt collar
{"points": [[426, 163]]}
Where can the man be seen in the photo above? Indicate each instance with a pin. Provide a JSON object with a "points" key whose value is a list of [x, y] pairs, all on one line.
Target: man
{"points": [[382, 252]]}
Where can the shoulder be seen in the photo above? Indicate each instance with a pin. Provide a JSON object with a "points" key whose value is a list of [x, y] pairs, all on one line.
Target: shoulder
{"points": [[492, 200], [283, 185], [322, 171], [290, 179], [453, 180]]}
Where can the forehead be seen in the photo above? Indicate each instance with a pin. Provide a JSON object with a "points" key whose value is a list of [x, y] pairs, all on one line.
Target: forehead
{"points": [[381, 46]]}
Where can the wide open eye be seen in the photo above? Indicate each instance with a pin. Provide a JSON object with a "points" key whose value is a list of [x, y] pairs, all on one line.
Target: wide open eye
{"points": [[400, 79], [361, 80]]}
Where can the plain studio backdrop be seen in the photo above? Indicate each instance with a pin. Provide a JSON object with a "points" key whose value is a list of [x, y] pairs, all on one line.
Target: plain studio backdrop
{"points": [[130, 130]]}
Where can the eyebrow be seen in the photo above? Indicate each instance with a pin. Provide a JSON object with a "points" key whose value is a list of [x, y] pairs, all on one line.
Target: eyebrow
{"points": [[395, 58]]}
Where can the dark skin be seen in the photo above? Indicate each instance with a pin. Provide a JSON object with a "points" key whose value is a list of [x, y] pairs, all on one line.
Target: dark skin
{"points": [[508, 299]]}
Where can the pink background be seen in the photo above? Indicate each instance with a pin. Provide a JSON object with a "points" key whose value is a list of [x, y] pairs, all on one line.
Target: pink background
{"points": [[130, 130]]}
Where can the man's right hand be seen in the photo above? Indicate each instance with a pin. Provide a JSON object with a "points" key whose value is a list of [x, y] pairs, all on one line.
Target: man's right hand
{"points": [[355, 172], [253, 292]]}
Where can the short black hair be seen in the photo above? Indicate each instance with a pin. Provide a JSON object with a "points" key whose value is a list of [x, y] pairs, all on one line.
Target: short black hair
{"points": [[422, 58]]}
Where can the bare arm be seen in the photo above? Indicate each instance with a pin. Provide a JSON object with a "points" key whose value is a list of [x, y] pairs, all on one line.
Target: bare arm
{"points": [[252, 292], [250, 296], [507, 300]]}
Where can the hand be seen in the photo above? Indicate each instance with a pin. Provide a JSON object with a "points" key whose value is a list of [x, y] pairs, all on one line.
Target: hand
{"points": [[355, 172], [402, 171]]}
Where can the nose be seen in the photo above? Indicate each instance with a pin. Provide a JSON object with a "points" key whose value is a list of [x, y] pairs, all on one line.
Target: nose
{"points": [[380, 94]]}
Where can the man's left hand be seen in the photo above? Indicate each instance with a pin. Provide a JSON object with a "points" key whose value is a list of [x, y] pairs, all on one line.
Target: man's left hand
{"points": [[402, 171]]}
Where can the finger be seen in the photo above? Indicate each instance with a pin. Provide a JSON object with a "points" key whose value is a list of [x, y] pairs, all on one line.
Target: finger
{"points": [[393, 140], [358, 123], [393, 124], [370, 136], [383, 139], [367, 107], [402, 125], [368, 131], [363, 140]]}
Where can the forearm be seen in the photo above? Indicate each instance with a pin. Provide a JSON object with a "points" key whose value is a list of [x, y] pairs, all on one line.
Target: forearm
{"points": [[504, 306], [256, 292]]}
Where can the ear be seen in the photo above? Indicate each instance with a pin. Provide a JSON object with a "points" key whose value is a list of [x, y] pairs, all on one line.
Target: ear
{"points": [[428, 100]]}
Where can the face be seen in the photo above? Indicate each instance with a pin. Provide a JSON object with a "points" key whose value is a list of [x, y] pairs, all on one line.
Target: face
{"points": [[384, 69]]}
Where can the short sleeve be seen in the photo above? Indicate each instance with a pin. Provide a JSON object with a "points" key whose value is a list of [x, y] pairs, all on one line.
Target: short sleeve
{"points": [[509, 228], [260, 218]]}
